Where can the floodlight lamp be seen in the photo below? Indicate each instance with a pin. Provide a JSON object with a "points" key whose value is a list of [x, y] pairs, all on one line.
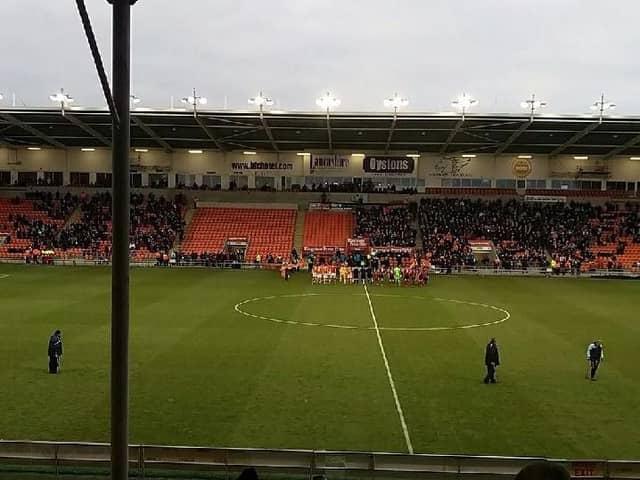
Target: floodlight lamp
{"points": [[328, 101], [61, 97], [260, 100], [464, 101], [396, 102]]}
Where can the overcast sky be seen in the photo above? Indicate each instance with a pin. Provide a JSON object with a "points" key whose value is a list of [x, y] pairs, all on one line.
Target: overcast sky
{"points": [[500, 51]]}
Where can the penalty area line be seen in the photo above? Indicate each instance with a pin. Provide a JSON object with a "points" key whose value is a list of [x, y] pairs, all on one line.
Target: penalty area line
{"points": [[403, 423]]}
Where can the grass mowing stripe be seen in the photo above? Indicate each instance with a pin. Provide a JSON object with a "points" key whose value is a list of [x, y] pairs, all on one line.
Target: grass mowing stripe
{"points": [[405, 429]]}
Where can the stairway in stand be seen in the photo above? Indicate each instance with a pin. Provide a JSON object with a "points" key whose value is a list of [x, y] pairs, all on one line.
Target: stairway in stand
{"points": [[298, 235]]}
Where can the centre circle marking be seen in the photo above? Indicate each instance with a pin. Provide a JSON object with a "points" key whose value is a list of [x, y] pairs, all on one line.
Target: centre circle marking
{"points": [[506, 315]]}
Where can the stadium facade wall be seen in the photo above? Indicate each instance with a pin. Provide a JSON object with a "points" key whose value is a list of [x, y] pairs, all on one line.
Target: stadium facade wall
{"points": [[429, 171]]}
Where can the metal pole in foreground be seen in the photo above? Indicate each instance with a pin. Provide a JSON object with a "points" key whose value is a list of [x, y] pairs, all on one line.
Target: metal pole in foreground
{"points": [[120, 242]]}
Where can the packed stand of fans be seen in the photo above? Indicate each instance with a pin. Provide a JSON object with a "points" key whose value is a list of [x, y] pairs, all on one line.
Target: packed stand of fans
{"points": [[156, 223], [386, 225], [524, 234]]}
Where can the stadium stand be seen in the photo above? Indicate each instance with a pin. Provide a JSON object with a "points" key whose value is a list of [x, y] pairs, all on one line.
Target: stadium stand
{"points": [[269, 230], [44, 221], [531, 234], [324, 228], [32, 222]]}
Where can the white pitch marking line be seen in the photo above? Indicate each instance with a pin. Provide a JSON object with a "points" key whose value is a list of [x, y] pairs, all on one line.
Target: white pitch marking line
{"points": [[396, 329], [405, 430], [3, 276]]}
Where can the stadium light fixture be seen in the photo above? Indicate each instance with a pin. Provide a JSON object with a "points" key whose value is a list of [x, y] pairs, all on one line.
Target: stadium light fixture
{"points": [[303, 154], [34, 149], [62, 98], [194, 100], [413, 155], [601, 105], [361, 155], [249, 152], [328, 101], [195, 152], [87, 149], [532, 105], [581, 157], [635, 159], [261, 101], [525, 157], [142, 150], [396, 102], [468, 155], [463, 103]]}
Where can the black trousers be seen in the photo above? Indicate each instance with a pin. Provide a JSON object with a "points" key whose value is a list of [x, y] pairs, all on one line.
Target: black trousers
{"points": [[491, 374], [53, 364], [594, 367]]}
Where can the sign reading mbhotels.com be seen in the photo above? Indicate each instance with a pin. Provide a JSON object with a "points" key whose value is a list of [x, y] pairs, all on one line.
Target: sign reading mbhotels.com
{"points": [[240, 166], [388, 164]]}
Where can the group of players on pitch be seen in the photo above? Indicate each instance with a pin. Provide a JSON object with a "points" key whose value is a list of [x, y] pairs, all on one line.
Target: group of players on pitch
{"points": [[595, 355], [411, 274]]}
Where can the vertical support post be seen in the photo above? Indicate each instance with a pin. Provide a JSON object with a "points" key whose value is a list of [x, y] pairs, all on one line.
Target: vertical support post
{"points": [[120, 242]]}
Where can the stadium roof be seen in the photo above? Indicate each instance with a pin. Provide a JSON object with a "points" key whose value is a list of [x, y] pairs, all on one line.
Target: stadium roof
{"points": [[444, 133]]}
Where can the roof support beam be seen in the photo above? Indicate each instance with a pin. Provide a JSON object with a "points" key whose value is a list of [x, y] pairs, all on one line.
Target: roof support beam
{"points": [[28, 128], [391, 130], [268, 130], [146, 129], [584, 132], [451, 136], [618, 150], [513, 137], [91, 131], [207, 130]]}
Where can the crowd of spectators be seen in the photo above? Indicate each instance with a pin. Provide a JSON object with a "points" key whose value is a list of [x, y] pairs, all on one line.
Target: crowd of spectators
{"points": [[156, 223], [386, 225], [524, 234], [55, 205]]}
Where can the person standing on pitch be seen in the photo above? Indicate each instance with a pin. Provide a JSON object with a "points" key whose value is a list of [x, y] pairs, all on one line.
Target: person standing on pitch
{"points": [[55, 351], [491, 361], [595, 354]]}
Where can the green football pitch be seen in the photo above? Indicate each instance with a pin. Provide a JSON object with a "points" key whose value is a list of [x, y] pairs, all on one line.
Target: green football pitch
{"points": [[244, 359]]}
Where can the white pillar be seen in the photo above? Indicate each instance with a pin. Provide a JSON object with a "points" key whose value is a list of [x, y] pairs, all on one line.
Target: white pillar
{"points": [[92, 178], [14, 176], [171, 181], [224, 182], [199, 179], [144, 179], [251, 181]]}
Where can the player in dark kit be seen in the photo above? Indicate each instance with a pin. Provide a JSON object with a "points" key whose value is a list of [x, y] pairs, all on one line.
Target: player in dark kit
{"points": [[595, 354], [491, 361], [55, 351]]}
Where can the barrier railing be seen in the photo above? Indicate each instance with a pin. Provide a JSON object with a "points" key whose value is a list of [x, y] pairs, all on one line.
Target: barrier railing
{"points": [[482, 271], [62, 458]]}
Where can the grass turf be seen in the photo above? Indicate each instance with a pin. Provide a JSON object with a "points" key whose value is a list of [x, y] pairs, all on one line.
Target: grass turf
{"points": [[204, 374]]}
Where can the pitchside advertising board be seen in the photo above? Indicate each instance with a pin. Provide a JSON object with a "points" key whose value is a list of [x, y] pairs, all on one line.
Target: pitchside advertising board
{"points": [[389, 165]]}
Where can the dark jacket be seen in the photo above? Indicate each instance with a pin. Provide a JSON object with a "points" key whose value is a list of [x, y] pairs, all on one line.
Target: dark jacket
{"points": [[491, 354], [55, 346]]}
